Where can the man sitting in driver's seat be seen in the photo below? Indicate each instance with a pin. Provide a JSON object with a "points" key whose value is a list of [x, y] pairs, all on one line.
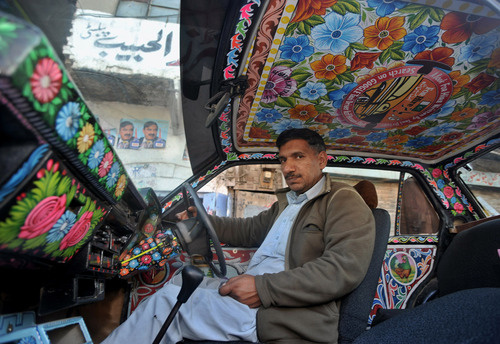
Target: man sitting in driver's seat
{"points": [[315, 245]]}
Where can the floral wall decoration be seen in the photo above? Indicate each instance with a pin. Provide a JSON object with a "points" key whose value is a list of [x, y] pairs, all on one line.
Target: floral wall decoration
{"points": [[42, 80], [329, 63], [52, 216]]}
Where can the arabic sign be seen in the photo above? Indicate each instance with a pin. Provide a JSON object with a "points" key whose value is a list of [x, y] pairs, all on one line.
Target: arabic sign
{"points": [[125, 45]]}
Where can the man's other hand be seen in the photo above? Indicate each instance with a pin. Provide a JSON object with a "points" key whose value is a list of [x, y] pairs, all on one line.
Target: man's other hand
{"points": [[183, 215], [242, 288]]}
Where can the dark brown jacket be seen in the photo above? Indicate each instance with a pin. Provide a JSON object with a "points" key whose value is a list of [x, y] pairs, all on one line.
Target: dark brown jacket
{"points": [[327, 256]]}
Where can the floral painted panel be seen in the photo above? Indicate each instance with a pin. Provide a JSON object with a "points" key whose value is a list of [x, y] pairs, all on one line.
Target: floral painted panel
{"points": [[385, 77], [51, 215], [404, 268], [38, 76]]}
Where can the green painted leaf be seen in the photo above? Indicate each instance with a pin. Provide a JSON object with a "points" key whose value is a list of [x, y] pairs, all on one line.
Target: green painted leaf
{"points": [[287, 102], [418, 19]]}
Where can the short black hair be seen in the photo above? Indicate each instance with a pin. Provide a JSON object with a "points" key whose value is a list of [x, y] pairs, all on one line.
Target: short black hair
{"points": [[150, 123], [310, 136], [123, 124]]}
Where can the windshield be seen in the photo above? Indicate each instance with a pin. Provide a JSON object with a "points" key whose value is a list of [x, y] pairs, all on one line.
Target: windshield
{"points": [[124, 59]]}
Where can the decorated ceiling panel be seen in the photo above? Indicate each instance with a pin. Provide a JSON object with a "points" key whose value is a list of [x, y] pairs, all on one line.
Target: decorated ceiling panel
{"points": [[388, 78]]}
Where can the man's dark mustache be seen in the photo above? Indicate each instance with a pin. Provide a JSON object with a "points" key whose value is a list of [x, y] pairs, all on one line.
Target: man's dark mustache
{"points": [[292, 175]]}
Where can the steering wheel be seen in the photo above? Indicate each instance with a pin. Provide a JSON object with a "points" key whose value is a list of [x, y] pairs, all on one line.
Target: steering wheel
{"points": [[210, 232]]}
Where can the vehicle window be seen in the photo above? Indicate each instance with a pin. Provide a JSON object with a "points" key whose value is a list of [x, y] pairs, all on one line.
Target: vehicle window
{"points": [[386, 184], [242, 191], [417, 213], [482, 177]]}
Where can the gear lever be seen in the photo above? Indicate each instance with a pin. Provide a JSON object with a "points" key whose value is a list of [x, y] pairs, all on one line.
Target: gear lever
{"points": [[191, 279]]}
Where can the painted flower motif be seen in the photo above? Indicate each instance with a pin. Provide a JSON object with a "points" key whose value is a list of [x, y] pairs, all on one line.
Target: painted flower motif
{"points": [[279, 84], [120, 185], [43, 217], [320, 129], [440, 54], [396, 140], [377, 70], [86, 138], [339, 133], [458, 207], [385, 7], [459, 26], [96, 154], [329, 66], [23, 172], [452, 137], [146, 259], [384, 33], [448, 192], [156, 256], [78, 231], [105, 165], [436, 173], [421, 38], [458, 80], [67, 120], [441, 184], [303, 112], [419, 142], [414, 131], [491, 98], [479, 48], [259, 133], [337, 32], [480, 82], [363, 60], [296, 49], [337, 96], [136, 251], [307, 8], [441, 129], [324, 117], [353, 140], [62, 227], [113, 175], [133, 264], [312, 91], [124, 272], [483, 119], [46, 80], [443, 111], [495, 59], [286, 124], [268, 115], [376, 137], [465, 113]]}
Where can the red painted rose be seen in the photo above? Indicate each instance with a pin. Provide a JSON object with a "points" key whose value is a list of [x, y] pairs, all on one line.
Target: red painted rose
{"points": [[77, 232], [458, 207], [436, 173], [448, 191], [362, 60], [43, 217]]}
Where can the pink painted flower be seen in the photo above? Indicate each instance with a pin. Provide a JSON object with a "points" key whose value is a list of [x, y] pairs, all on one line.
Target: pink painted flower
{"points": [[105, 165], [448, 191], [77, 232], [436, 173], [279, 84], [46, 80], [43, 217], [458, 207]]}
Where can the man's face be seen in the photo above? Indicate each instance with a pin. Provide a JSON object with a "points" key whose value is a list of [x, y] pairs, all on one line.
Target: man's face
{"points": [[126, 132], [150, 132], [301, 165]]}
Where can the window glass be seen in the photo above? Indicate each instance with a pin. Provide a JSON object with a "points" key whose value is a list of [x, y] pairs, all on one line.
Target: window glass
{"points": [[482, 177], [418, 216]]}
